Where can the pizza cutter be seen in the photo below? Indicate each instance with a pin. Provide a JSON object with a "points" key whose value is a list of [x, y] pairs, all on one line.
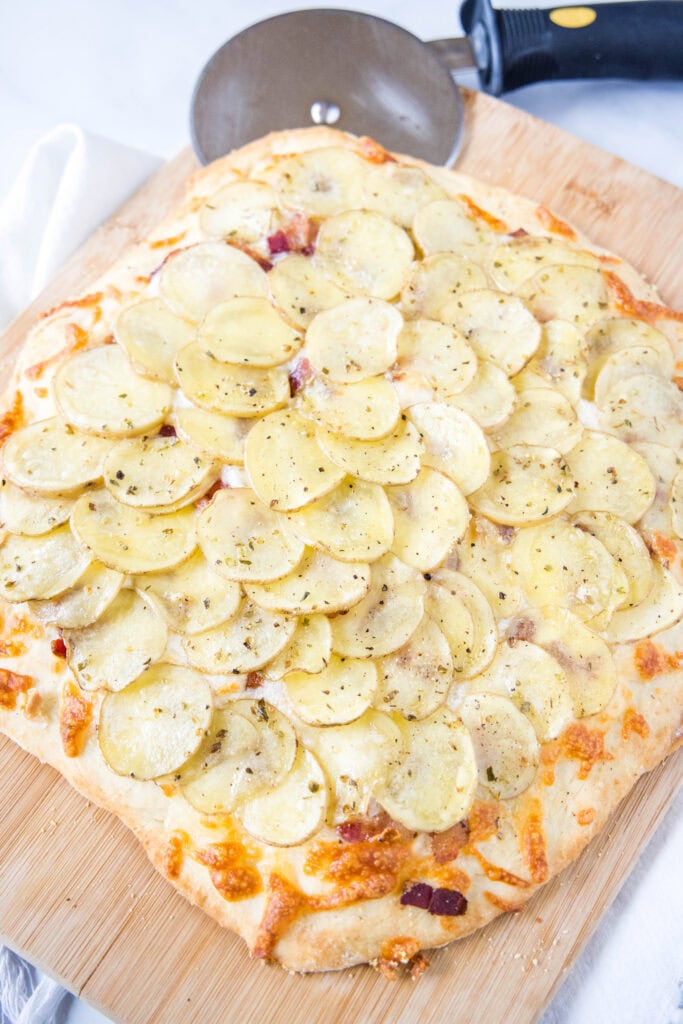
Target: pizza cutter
{"points": [[366, 75]]}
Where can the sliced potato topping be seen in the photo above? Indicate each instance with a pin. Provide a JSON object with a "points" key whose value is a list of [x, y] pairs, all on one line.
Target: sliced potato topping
{"points": [[438, 353], [98, 391], [292, 811], [397, 191], [153, 472], [42, 566], [285, 463], [365, 253], [221, 437], [308, 651], [561, 358], [664, 464], [29, 457], [321, 181], [489, 398], [612, 335], [247, 331], [676, 504], [244, 643], [191, 597], [483, 556], [301, 289], [630, 362], [340, 693], [84, 602], [354, 522], [626, 547], [435, 280], [319, 583], [414, 680], [195, 279], [394, 459], [366, 410], [234, 390], [111, 652], [242, 539], [386, 617], [31, 514], [662, 607], [521, 258], [433, 785], [243, 210], [430, 515], [645, 408], [445, 226], [152, 336], [505, 745], [498, 327], [541, 417], [153, 726], [453, 443], [527, 483], [472, 637], [566, 292], [131, 540], [354, 340], [609, 476]]}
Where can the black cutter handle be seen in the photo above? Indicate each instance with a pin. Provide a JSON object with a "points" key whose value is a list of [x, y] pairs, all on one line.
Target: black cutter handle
{"points": [[639, 39]]}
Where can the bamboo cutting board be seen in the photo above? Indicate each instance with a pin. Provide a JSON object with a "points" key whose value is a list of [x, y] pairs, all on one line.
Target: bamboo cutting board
{"points": [[78, 896]]}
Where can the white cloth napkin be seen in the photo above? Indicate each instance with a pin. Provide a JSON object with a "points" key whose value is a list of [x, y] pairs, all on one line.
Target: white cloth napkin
{"points": [[631, 971]]}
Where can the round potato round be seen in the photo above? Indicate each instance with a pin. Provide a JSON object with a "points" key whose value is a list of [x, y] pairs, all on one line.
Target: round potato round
{"points": [[83, 603], [498, 327], [41, 567], [364, 252], [394, 459], [220, 437], [365, 410], [308, 651], [354, 340], [430, 516], [191, 597], [31, 514], [354, 522], [505, 745], [301, 289], [319, 583], [246, 391], [453, 443], [249, 332], [489, 398], [243, 210], [152, 336], [337, 695], [609, 476], [246, 642], [527, 483], [29, 457], [435, 280], [294, 810], [414, 680], [438, 353], [195, 279], [157, 472]]}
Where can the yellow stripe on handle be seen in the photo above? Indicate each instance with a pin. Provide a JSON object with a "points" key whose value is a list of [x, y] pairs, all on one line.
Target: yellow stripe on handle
{"points": [[573, 17]]}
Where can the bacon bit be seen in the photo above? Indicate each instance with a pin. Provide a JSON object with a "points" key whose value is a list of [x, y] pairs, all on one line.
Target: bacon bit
{"points": [[498, 874], [75, 715], [254, 680], [93, 299], [58, 647], [167, 430], [663, 547], [299, 375], [297, 235], [32, 704], [447, 845], [263, 263], [231, 871], [586, 816], [652, 660], [174, 855], [284, 903], [361, 829], [504, 905], [12, 648], [554, 224], [579, 743], [519, 233], [11, 685], [634, 723], [418, 895], [483, 821], [373, 152], [77, 339], [533, 841], [278, 243], [448, 903], [626, 302], [479, 214], [161, 243], [12, 418], [206, 498]]}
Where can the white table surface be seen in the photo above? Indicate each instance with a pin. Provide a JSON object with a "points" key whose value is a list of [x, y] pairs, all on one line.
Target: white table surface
{"points": [[126, 70]]}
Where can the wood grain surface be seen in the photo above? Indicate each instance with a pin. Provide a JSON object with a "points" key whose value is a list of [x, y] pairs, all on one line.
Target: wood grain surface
{"points": [[78, 895]]}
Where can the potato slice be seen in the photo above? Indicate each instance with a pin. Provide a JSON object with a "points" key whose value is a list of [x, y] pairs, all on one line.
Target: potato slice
{"points": [[527, 483], [365, 253], [83, 603], [559, 564], [626, 547], [243, 540], [662, 607], [445, 226], [561, 358], [472, 638], [505, 745], [676, 504], [354, 340], [365, 410], [612, 335], [430, 516], [294, 810], [453, 442], [110, 653], [285, 463], [355, 757], [247, 331], [521, 258], [191, 597], [433, 786], [249, 747], [246, 642], [308, 651], [339, 694], [29, 457], [483, 556], [584, 657], [498, 327], [394, 459], [130, 540], [242, 210], [153, 472], [566, 292], [152, 336], [40, 567], [489, 398], [219, 436], [30, 514], [414, 680], [540, 417], [302, 290], [664, 464], [645, 408], [233, 390], [435, 280], [630, 362], [438, 353], [319, 583], [195, 279], [354, 522], [534, 681], [386, 617], [609, 476], [98, 391], [321, 181], [398, 191], [154, 725]]}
